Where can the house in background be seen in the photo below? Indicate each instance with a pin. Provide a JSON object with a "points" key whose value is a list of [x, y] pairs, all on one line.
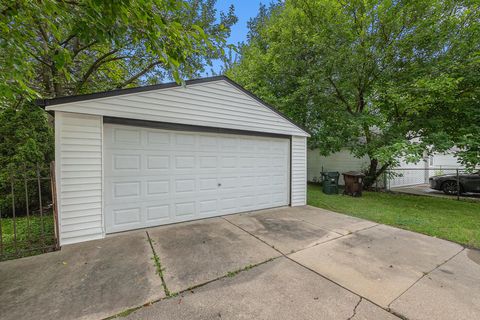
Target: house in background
{"points": [[405, 174]]}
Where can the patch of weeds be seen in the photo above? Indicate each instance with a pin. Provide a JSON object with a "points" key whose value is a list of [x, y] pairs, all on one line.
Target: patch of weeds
{"points": [[231, 274], [158, 266], [250, 266], [123, 314]]}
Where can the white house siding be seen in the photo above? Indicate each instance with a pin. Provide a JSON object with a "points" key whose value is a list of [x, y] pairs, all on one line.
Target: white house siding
{"points": [[444, 160], [407, 174], [341, 161], [211, 104], [420, 172], [299, 171], [78, 140]]}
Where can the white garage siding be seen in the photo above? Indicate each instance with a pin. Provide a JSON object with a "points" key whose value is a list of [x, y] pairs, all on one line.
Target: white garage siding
{"points": [[211, 104], [299, 171], [78, 154], [215, 107]]}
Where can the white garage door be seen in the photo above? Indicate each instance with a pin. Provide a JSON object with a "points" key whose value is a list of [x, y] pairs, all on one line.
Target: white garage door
{"points": [[154, 177]]}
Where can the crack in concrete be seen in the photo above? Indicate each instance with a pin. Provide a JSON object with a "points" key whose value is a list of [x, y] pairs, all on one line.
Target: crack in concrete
{"points": [[355, 309], [423, 276], [333, 230], [333, 239], [158, 266], [311, 270], [229, 274], [190, 289]]}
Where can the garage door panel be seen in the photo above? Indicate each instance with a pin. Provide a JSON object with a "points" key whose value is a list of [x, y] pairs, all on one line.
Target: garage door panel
{"points": [[184, 208], [264, 198], [207, 162], [123, 218], [185, 141], [130, 162], [228, 182], [157, 187], [278, 180], [126, 189], [157, 162], [155, 139], [208, 184], [184, 185], [123, 189], [155, 177], [157, 213], [263, 162], [228, 144], [246, 201], [228, 162], [183, 162], [208, 206], [208, 143]]}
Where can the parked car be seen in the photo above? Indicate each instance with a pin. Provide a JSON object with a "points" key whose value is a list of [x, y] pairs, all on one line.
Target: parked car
{"points": [[469, 182]]}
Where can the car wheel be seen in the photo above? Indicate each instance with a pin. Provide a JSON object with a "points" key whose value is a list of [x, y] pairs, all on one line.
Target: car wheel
{"points": [[450, 187]]}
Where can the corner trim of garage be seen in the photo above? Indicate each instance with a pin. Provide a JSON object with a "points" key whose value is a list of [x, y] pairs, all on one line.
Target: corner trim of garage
{"points": [[188, 127], [291, 173]]}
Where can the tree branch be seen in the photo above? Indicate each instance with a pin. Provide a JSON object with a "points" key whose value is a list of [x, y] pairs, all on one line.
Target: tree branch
{"points": [[139, 74], [339, 95], [64, 42], [94, 67], [39, 59], [78, 50]]}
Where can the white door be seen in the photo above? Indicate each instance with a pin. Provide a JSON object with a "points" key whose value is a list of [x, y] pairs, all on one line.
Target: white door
{"points": [[154, 177]]}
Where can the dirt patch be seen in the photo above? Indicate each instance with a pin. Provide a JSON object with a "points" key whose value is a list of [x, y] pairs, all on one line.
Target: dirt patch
{"points": [[293, 229], [474, 255]]}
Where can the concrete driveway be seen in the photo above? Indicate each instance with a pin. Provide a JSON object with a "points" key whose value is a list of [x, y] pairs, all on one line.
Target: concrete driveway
{"points": [[286, 263], [424, 190]]}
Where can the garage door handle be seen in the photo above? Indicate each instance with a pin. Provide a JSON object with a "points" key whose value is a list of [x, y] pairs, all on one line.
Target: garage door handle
{"points": [[219, 184]]}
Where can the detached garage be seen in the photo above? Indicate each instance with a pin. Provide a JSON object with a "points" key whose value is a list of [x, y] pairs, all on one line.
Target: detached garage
{"points": [[148, 156]]}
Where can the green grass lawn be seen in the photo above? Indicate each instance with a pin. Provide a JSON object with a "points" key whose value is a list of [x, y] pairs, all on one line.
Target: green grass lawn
{"points": [[29, 235], [458, 221]]}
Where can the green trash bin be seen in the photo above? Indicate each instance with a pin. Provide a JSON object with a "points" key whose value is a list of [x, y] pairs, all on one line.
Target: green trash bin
{"points": [[330, 182]]}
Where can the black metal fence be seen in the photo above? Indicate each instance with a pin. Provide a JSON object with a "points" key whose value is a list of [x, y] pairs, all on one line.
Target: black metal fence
{"points": [[437, 181], [28, 215]]}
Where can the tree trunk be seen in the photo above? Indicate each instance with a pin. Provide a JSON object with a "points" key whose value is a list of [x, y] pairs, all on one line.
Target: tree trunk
{"points": [[371, 173], [374, 172]]}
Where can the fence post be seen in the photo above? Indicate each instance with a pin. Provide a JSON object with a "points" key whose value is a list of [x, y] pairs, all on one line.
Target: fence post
{"points": [[53, 183], [25, 183], [40, 202], [1, 235], [458, 186], [14, 216]]}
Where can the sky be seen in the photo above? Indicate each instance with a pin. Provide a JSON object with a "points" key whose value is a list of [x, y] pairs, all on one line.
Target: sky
{"points": [[244, 10]]}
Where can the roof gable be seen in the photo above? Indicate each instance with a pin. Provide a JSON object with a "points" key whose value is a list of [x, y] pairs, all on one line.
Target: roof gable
{"points": [[215, 101]]}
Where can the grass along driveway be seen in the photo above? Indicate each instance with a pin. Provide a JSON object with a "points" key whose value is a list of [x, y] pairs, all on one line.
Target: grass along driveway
{"points": [[458, 221], [29, 239]]}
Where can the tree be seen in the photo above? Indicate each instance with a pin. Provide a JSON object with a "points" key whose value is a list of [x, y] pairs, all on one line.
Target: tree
{"points": [[357, 73], [52, 48]]}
